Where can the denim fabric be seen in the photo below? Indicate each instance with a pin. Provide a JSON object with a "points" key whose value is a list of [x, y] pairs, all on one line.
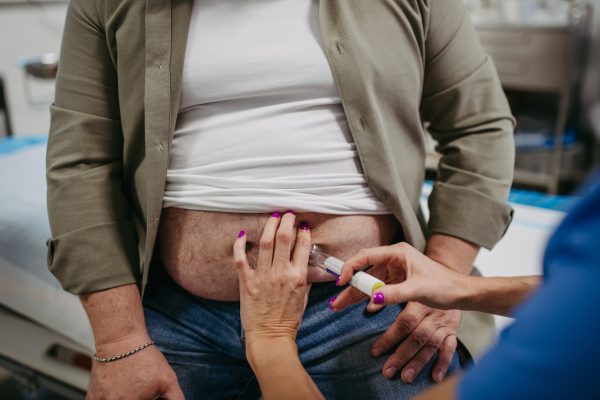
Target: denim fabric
{"points": [[203, 341]]}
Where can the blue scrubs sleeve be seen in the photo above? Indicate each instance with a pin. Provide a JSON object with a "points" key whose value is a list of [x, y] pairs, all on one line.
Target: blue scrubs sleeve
{"points": [[552, 351]]}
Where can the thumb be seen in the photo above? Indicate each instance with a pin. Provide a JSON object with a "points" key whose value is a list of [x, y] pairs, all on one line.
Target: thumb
{"points": [[394, 294]]}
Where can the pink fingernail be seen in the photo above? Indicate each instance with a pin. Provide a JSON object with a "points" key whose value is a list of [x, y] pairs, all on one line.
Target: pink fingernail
{"points": [[378, 298], [275, 215], [332, 300], [290, 212], [304, 226], [331, 308], [337, 283], [242, 233]]}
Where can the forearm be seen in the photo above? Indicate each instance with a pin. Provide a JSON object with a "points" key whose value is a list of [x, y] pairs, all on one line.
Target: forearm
{"points": [[117, 319], [491, 295], [454, 253], [496, 295], [279, 370]]}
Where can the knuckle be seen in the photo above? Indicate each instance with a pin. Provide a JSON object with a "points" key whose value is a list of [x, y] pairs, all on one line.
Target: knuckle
{"points": [[399, 359], [443, 364], [299, 275], [284, 237], [421, 338], [266, 244], [403, 246], [362, 253], [385, 342], [253, 291], [435, 342], [239, 263], [418, 363], [449, 345], [406, 325], [282, 280], [303, 243]]}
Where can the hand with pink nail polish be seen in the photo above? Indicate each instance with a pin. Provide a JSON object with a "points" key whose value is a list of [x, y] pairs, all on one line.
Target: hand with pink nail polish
{"points": [[272, 296], [422, 283], [409, 276], [272, 301]]}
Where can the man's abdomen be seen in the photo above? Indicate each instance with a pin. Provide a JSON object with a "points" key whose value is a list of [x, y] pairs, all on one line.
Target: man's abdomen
{"points": [[196, 247]]}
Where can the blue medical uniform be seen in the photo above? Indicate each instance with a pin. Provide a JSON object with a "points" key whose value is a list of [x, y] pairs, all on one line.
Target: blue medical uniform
{"points": [[553, 350]]}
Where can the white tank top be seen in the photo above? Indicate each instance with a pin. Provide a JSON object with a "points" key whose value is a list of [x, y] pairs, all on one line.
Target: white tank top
{"points": [[261, 126]]}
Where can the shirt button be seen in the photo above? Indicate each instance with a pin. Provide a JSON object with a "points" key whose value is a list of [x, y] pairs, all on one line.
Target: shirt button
{"points": [[160, 146], [160, 67]]}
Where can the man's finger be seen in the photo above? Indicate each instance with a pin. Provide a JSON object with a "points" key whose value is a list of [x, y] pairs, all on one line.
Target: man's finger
{"points": [[283, 240], [302, 247], [408, 349], [239, 256], [418, 362], [444, 359], [405, 323], [267, 244]]}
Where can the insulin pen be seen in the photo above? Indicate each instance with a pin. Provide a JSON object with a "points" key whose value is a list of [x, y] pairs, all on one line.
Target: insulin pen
{"points": [[364, 282]]}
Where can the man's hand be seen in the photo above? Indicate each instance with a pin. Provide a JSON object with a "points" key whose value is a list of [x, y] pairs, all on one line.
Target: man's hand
{"points": [[145, 375], [422, 329], [117, 319]]}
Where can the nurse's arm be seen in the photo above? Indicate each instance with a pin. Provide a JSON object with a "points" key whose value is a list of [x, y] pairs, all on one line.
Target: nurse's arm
{"points": [[496, 295], [279, 371], [411, 276]]}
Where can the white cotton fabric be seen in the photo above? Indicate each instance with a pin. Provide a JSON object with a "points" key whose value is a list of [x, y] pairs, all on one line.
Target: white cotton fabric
{"points": [[261, 125]]}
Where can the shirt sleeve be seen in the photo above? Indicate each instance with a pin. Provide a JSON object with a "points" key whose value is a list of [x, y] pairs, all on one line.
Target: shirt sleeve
{"points": [[94, 240], [469, 116], [552, 351]]}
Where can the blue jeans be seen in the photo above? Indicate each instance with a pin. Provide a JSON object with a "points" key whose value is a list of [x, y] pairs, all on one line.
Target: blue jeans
{"points": [[203, 341]]}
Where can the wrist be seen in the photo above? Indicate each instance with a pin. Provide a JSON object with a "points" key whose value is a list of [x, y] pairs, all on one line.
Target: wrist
{"points": [[453, 253], [122, 345], [116, 316], [467, 287], [263, 352]]}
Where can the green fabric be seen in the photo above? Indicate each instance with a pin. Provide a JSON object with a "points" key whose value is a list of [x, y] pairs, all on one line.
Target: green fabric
{"points": [[397, 65]]}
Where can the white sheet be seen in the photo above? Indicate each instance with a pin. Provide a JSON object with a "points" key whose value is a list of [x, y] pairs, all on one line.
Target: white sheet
{"points": [[26, 285]]}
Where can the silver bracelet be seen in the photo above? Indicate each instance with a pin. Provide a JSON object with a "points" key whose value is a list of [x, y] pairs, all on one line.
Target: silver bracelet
{"points": [[123, 355]]}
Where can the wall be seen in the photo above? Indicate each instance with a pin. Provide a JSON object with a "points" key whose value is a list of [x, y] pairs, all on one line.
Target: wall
{"points": [[28, 28], [35, 26]]}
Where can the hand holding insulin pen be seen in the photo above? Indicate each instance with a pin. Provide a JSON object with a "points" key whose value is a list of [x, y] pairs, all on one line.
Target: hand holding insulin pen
{"points": [[361, 280]]}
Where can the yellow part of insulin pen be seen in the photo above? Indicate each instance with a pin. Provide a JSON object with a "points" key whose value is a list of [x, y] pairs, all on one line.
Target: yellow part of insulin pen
{"points": [[362, 281]]}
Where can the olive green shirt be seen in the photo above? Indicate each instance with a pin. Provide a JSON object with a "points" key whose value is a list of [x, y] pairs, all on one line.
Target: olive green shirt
{"points": [[397, 63]]}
